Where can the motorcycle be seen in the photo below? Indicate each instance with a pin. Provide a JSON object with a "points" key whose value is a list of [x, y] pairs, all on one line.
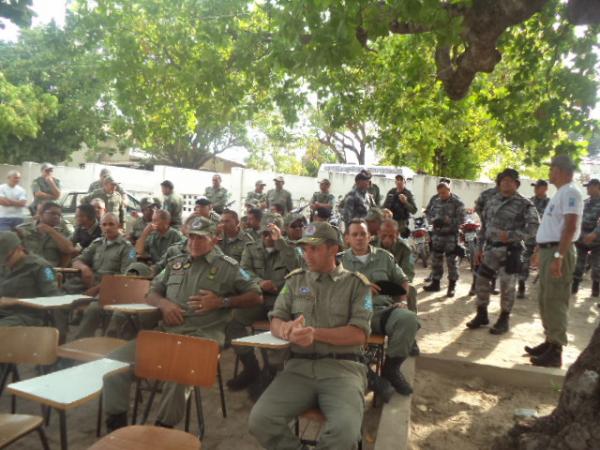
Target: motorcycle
{"points": [[469, 231], [421, 239]]}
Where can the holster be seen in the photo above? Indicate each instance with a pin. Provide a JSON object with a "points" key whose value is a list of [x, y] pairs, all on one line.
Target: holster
{"points": [[514, 260]]}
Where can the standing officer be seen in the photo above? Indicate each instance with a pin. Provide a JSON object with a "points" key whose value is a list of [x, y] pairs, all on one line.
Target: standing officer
{"points": [[99, 184], [232, 240], [217, 194], [401, 202], [110, 196], [23, 276], [172, 203], [588, 244], [45, 188], [323, 198], [509, 220], [280, 195], [195, 294], [559, 229], [400, 325], [324, 312], [268, 261], [157, 236], [148, 206], [358, 201], [46, 237], [540, 201], [258, 195], [447, 213]]}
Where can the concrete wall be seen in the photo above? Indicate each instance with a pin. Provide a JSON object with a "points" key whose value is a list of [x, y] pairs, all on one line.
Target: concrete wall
{"points": [[191, 183]]}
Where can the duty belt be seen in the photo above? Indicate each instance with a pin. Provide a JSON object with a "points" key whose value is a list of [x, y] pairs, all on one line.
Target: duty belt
{"points": [[315, 356]]}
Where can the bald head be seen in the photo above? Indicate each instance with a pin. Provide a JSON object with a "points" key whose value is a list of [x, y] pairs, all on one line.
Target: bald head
{"points": [[110, 226], [161, 220], [388, 233]]}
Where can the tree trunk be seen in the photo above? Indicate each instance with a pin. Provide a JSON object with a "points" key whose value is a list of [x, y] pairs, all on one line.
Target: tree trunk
{"points": [[575, 423]]}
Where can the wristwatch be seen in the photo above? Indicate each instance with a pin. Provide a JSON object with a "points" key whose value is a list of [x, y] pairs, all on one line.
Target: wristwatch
{"points": [[558, 255], [226, 302]]}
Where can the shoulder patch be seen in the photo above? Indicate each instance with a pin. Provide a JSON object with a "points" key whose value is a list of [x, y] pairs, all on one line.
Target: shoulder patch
{"points": [[245, 275], [49, 274], [132, 254], [294, 272], [368, 301], [230, 260], [362, 278]]}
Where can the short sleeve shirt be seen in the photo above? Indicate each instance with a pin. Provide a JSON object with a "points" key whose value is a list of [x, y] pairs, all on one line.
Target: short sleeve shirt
{"points": [[16, 193], [567, 200]]}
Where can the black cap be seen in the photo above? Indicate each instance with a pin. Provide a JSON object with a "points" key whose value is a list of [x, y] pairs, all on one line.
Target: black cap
{"points": [[540, 183], [363, 175], [400, 177], [593, 181], [509, 173], [203, 201], [168, 184]]}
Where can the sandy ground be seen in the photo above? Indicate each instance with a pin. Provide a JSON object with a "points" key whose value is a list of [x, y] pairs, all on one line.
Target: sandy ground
{"points": [[446, 413], [466, 414]]}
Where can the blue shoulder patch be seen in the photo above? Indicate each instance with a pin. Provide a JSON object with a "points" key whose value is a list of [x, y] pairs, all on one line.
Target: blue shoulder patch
{"points": [[368, 302], [245, 275], [49, 274], [132, 254]]}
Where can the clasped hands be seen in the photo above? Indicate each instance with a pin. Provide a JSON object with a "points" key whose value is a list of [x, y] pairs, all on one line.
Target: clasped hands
{"points": [[295, 332]]}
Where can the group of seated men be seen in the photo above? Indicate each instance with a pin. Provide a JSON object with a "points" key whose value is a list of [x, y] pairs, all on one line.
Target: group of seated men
{"points": [[213, 278]]}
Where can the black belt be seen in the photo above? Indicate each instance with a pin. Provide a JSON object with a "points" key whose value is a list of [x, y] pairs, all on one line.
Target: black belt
{"points": [[548, 244], [315, 356]]}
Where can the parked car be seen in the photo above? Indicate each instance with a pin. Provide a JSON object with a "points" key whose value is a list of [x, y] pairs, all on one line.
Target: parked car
{"points": [[71, 200]]}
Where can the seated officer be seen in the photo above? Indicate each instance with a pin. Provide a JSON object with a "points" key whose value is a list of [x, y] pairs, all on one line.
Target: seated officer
{"points": [[175, 249], [294, 223], [389, 317], [148, 206], [324, 311], [157, 237], [269, 264], [46, 236], [23, 276], [87, 229], [232, 240], [203, 208], [195, 294], [111, 254]]}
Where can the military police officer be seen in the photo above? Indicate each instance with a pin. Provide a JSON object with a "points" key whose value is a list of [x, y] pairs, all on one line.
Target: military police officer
{"points": [[157, 236], [45, 188], [358, 201], [232, 240], [99, 184], [195, 294], [87, 229], [217, 194], [23, 276], [113, 201], [401, 202], [280, 196], [509, 219], [172, 203], [148, 205], [323, 198], [203, 208], [588, 244], [324, 312], [447, 213], [258, 195]]}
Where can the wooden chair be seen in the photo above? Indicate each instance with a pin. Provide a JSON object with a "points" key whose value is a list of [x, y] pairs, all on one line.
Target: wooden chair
{"points": [[375, 350], [186, 360], [313, 415], [140, 437], [25, 345], [14, 426]]}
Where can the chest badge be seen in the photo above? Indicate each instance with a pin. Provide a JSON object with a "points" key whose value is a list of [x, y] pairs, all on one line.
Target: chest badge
{"points": [[176, 266], [304, 290], [187, 265], [212, 273]]}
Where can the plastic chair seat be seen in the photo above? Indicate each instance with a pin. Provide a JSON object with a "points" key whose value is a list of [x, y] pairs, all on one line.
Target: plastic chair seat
{"points": [[143, 437]]}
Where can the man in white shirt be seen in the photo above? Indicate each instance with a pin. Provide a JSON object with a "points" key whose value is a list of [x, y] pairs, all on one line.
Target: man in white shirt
{"points": [[12, 201], [559, 229]]}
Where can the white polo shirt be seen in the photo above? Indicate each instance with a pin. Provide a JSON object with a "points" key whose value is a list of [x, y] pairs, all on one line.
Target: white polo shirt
{"points": [[567, 200]]}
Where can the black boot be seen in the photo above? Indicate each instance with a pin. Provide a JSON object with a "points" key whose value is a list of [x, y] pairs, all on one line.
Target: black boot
{"points": [[501, 325], [596, 289], [481, 318], [382, 388], [391, 371], [575, 287], [248, 375], [494, 290], [116, 421], [521, 290], [538, 349], [433, 287], [451, 288], [552, 357], [472, 290]]}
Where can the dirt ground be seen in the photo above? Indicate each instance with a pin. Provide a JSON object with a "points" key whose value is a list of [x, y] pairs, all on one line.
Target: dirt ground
{"points": [[466, 414], [446, 413]]}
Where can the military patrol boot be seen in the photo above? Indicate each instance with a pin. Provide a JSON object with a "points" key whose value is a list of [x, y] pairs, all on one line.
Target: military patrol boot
{"points": [[481, 318], [116, 421], [382, 388], [472, 290], [575, 287], [501, 325], [521, 290], [552, 357], [248, 375], [596, 289], [538, 349], [391, 371], [433, 287], [451, 288]]}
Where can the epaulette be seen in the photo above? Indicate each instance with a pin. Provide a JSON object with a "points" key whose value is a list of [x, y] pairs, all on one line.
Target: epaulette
{"points": [[294, 272], [230, 260], [362, 278]]}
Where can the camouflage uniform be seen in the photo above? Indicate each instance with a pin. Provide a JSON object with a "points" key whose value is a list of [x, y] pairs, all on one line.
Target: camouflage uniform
{"points": [[258, 197], [589, 224], [446, 216], [357, 205], [114, 202], [282, 197], [482, 200], [518, 216], [540, 206], [218, 198], [40, 185], [97, 185], [323, 197]]}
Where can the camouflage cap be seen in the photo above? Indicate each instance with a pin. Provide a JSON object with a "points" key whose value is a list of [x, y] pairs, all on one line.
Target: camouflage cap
{"points": [[540, 183], [252, 203], [260, 183], [109, 179], [270, 219], [363, 175], [279, 178], [203, 227], [374, 214], [9, 241], [139, 269], [47, 166], [294, 217], [318, 233], [149, 201], [104, 172], [512, 173]]}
